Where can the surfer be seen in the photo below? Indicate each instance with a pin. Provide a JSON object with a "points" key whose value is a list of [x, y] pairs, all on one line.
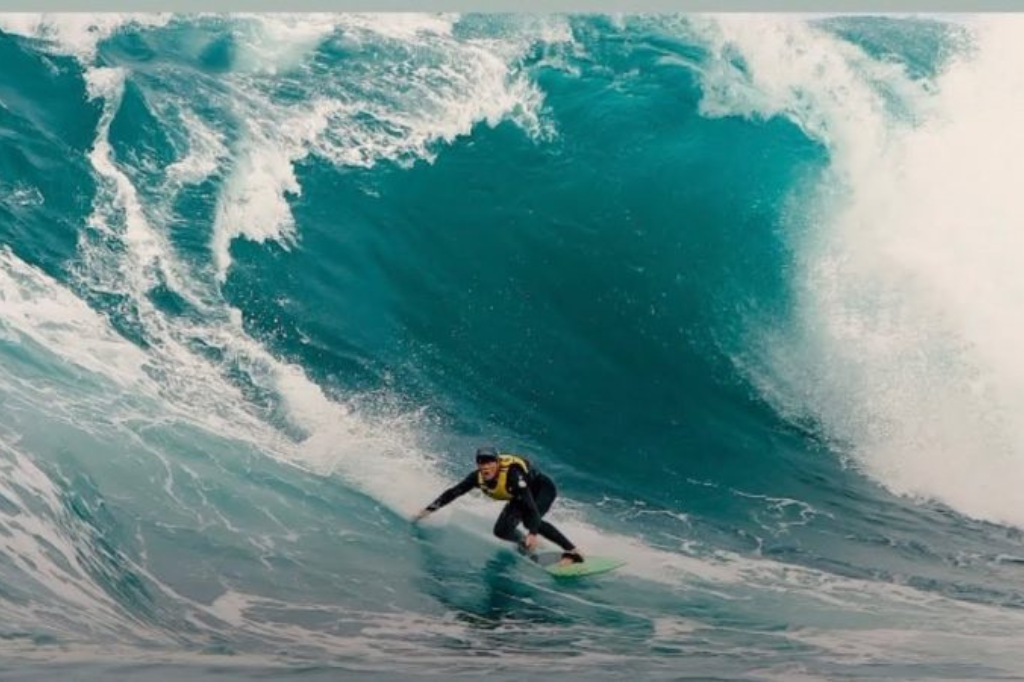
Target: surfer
{"points": [[527, 492]]}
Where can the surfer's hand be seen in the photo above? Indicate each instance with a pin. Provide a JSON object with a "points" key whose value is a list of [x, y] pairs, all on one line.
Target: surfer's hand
{"points": [[422, 515], [531, 541]]}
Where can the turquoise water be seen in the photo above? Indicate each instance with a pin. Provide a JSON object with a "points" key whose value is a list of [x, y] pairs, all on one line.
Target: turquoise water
{"points": [[745, 287]]}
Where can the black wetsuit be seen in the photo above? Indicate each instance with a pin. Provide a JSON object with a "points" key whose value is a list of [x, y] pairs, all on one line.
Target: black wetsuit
{"points": [[532, 495]]}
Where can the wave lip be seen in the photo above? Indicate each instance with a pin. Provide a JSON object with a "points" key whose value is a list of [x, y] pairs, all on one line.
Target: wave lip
{"points": [[900, 345]]}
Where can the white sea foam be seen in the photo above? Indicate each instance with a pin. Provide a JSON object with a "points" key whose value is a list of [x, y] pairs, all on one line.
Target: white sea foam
{"points": [[431, 91], [909, 316], [33, 306], [78, 34]]}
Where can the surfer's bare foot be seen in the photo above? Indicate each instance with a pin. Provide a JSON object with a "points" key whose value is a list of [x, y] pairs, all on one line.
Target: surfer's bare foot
{"points": [[570, 557]]}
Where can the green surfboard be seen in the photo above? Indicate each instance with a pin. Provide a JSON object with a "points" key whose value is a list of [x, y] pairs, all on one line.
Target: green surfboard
{"points": [[592, 565]]}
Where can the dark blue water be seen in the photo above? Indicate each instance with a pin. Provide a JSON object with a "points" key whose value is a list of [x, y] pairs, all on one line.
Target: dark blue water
{"points": [[743, 286]]}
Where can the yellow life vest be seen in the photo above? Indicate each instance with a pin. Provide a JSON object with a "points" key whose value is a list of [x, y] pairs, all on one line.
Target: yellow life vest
{"points": [[500, 490]]}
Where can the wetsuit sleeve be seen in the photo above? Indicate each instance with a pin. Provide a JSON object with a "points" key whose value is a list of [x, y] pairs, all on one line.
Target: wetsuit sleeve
{"points": [[457, 490], [520, 489]]}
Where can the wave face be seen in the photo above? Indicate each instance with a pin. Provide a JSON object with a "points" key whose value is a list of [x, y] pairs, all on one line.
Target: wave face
{"points": [[746, 287]]}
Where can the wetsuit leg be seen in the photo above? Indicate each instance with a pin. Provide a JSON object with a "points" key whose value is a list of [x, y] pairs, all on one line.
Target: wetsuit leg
{"points": [[505, 526], [545, 497]]}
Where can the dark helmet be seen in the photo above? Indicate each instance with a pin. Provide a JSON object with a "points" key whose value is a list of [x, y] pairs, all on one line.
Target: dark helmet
{"points": [[486, 454]]}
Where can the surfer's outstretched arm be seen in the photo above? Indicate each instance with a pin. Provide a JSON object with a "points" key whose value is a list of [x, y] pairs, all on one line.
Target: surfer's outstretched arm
{"points": [[456, 491]]}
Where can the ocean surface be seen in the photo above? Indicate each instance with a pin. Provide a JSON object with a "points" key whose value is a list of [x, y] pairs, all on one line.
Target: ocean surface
{"points": [[749, 288]]}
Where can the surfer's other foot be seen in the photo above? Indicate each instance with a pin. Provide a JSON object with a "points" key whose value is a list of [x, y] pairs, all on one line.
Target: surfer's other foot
{"points": [[573, 557], [525, 551]]}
